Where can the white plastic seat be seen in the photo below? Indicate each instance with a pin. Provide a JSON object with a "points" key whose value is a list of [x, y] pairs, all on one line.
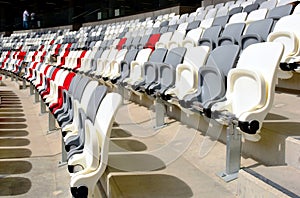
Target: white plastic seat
{"points": [[115, 64], [176, 39], [94, 158], [251, 86], [257, 15], [287, 32], [163, 40], [186, 73], [238, 18], [136, 67]]}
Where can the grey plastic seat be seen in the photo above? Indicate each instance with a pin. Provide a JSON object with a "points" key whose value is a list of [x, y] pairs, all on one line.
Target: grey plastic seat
{"points": [[77, 95], [125, 66], [280, 11], [143, 42], [221, 20], [270, 4], [256, 32], [210, 36], [150, 72], [193, 25], [212, 78], [251, 7], [167, 71], [74, 144], [128, 42], [235, 11], [94, 60], [172, 28], [231, 34], [67, 94], [135, 42]]}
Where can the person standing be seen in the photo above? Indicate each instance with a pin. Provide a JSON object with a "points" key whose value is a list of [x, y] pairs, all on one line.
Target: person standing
{"points": [[25, 19], [33, 20]]}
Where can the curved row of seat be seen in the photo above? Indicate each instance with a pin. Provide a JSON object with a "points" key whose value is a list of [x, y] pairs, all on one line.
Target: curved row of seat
{"points": [[223, 71]]}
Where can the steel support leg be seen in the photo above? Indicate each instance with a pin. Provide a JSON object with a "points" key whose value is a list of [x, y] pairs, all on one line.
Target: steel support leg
{"points": [[43, 107], [36, 97], [31, 89], [51, 121], [24, 84], [160, 112], [233, 154], [63, 154]]}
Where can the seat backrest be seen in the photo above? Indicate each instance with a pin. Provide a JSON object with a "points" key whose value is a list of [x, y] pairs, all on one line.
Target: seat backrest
{"points": [[257, 15], [223, 11], [252, 84], [260, 28], [193, 25], [287, 24], [186, 73], [74, 83], [232, 31], [152, 41], [251, 7], [103, 124], [150, 70], [165, 37], [125, 65], [280, 11], [270, 4], [221, 20], [212, 77], [95, 101], [193, 35], [210, 36], [238, 18], [224, 58], [79, 89], [167, 71], [175, 56], [235, 11], [86, 95]]}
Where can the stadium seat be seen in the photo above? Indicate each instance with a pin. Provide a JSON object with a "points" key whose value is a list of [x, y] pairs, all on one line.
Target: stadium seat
{"points": [[251, 88], [212, 79], [94, 157]]}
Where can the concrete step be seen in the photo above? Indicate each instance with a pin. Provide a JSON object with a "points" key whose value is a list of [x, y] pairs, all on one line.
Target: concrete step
{"points": [[292, 151]]}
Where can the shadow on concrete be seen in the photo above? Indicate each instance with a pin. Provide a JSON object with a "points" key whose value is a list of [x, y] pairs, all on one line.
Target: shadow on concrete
{"points": [[131, 162], [15, 153], [272, 116], [14, 142], [119, 133], [12, 119], [12, 115], [7, 107], [13, 133], [15, 167], [11, 110], [286, 128], [126, 145], [13, 126], [11, 186], [153, 185]]}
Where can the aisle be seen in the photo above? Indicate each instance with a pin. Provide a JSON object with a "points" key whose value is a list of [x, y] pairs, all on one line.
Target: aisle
{"points": [[28, 155]]}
